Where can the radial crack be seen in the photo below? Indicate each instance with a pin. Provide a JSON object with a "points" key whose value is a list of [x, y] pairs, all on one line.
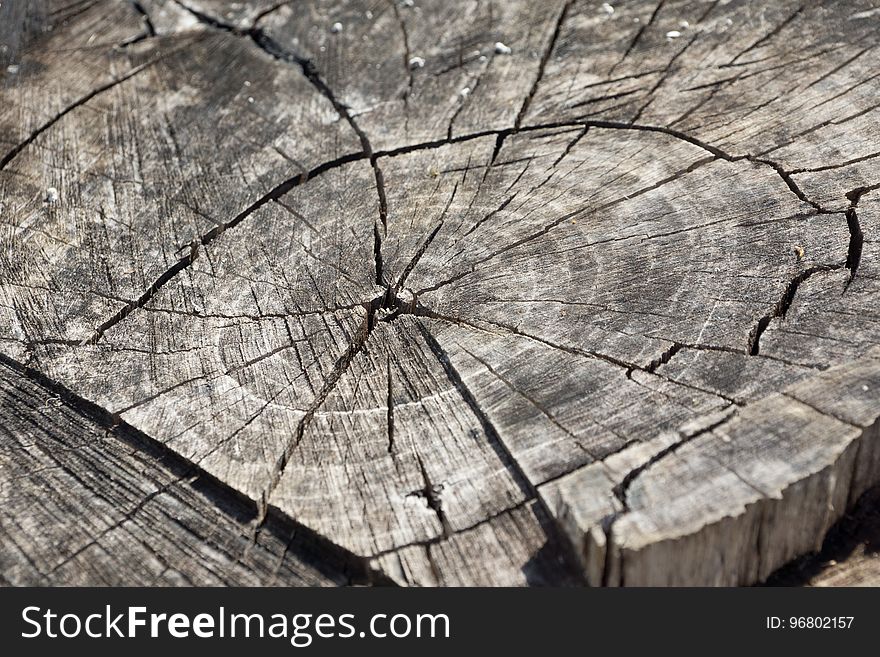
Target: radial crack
{"points": [[621, 490], [545, 57], [11, 155], [145, 17], [781, 307], [194, 247], [339, 369], [431, 495], [274, 49], [856, 236], [217, 491], [406, 51]]}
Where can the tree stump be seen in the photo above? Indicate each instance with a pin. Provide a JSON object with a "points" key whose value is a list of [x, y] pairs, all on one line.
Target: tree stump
{"points": [[435, 293]]}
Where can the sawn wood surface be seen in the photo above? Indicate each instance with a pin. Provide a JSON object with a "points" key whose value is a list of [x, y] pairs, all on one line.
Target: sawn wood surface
{"points": [[435, 293]]}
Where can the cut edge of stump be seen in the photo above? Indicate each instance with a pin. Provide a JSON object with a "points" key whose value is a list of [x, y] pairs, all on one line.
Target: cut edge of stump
{"points": [[746, 541]]}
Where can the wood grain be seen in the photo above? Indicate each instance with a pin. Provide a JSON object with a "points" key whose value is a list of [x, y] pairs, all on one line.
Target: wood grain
{"points": [[94, 505], [496, 293]]}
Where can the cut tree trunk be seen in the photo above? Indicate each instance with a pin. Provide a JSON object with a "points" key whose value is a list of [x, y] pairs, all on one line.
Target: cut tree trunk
{"points": [[435, 293]]}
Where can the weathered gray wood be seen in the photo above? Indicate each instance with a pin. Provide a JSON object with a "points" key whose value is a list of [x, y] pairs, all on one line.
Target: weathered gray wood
{"points": [[788, 81], [115, 193], [425, 72], [760, 485], [84, 504], [84, 50], [476, 292]]}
